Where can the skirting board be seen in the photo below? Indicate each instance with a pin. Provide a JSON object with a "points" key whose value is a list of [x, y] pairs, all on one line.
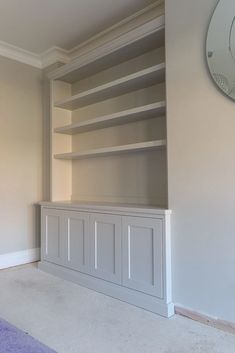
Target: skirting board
{"points": [[113, 290], [207, 320], [19, 258]]}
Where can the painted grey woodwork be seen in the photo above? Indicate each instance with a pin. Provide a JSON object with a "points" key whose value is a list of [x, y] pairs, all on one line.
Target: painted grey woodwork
{"points": [[133, 82], [125, 209], [116, 150], [142, 255], [52, 249], [131, 115], [75, 240], [105, 240], [140, 299], [139, 40], [120, 250], [143, 43]]}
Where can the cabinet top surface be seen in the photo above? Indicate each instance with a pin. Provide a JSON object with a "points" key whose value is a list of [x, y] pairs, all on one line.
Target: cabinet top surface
{"points": [[107, 206]]}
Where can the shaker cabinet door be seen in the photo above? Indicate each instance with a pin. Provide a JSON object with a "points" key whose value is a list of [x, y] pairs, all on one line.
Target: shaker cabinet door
{"points": [[75, 240], [142, 255], [105, 241], [52, 248]]}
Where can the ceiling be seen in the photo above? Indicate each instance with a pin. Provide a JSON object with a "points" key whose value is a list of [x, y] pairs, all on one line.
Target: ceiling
{"points": [[38, 25]]}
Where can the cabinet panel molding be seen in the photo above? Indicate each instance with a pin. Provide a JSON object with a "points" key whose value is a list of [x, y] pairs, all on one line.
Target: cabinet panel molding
{"points": [[105, 239], [75, 235], [124, 256], [51, 236], [142, 255], [109, 234]]}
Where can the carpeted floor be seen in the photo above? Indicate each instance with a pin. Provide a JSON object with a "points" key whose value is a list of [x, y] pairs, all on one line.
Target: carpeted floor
{"points": [[13, 340], [73, 319]]}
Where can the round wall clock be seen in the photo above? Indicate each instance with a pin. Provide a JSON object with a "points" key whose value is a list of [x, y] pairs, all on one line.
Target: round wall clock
{"points": [[220, 47]]}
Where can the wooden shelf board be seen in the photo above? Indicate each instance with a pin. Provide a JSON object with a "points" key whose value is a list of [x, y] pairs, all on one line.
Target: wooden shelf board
{"points": [[143, 112], [133, 82], [106, 151], [128, 46]]}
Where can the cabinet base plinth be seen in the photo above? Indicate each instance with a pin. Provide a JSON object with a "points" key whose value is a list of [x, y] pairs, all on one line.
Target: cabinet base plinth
{"points": [[130, 296]]}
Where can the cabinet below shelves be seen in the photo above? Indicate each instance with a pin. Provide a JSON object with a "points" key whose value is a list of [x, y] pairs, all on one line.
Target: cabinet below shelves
{"points": [[103, 251], [106, 151]]}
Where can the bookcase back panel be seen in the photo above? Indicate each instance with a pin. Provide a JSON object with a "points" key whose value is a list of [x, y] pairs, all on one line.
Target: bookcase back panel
{"points": [[131, 100], [142, 62], [140, 131], [119, 172], [138, 178]]}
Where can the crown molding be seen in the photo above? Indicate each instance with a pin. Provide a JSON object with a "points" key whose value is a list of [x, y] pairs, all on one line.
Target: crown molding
{"points": [[23, 56], [112, 45], [56, 54], [39, 61], [128, 20]]}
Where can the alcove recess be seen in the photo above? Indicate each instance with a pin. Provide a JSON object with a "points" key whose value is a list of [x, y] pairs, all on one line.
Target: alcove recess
{"points": [[108, 127]]}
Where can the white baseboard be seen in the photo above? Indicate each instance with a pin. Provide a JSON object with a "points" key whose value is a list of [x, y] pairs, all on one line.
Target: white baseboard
{"points": [[207, 320], [19, 258]]}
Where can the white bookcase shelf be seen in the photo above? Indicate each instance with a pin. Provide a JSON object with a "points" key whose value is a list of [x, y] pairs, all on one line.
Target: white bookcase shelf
{"points": [[107, 151], [126, 116], [113, 95], [133, 82], [140, 40]]}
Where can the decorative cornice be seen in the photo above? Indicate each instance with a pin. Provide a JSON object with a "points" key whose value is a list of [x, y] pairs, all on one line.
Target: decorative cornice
{"points": [[150, 8], [56, 54], [15, 53], [108, 47], [40, 61]]}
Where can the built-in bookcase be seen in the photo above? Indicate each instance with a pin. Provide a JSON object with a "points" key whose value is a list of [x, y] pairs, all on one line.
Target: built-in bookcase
{"points": [[107, 226], [108, 127]]}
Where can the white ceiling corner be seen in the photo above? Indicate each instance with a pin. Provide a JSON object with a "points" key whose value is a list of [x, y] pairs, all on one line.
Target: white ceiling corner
{"points": [[41, 61], [21, 55], [53, 55], [57, 53]]}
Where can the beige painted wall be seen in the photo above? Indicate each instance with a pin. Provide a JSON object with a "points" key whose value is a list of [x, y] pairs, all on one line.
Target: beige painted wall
{"points": [[201, 161], [21, 155]]}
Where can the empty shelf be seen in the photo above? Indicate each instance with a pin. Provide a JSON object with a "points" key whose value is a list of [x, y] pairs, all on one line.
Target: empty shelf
{"points": [[129, 46], [133, 82], [106, 151], [123, 117]]}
